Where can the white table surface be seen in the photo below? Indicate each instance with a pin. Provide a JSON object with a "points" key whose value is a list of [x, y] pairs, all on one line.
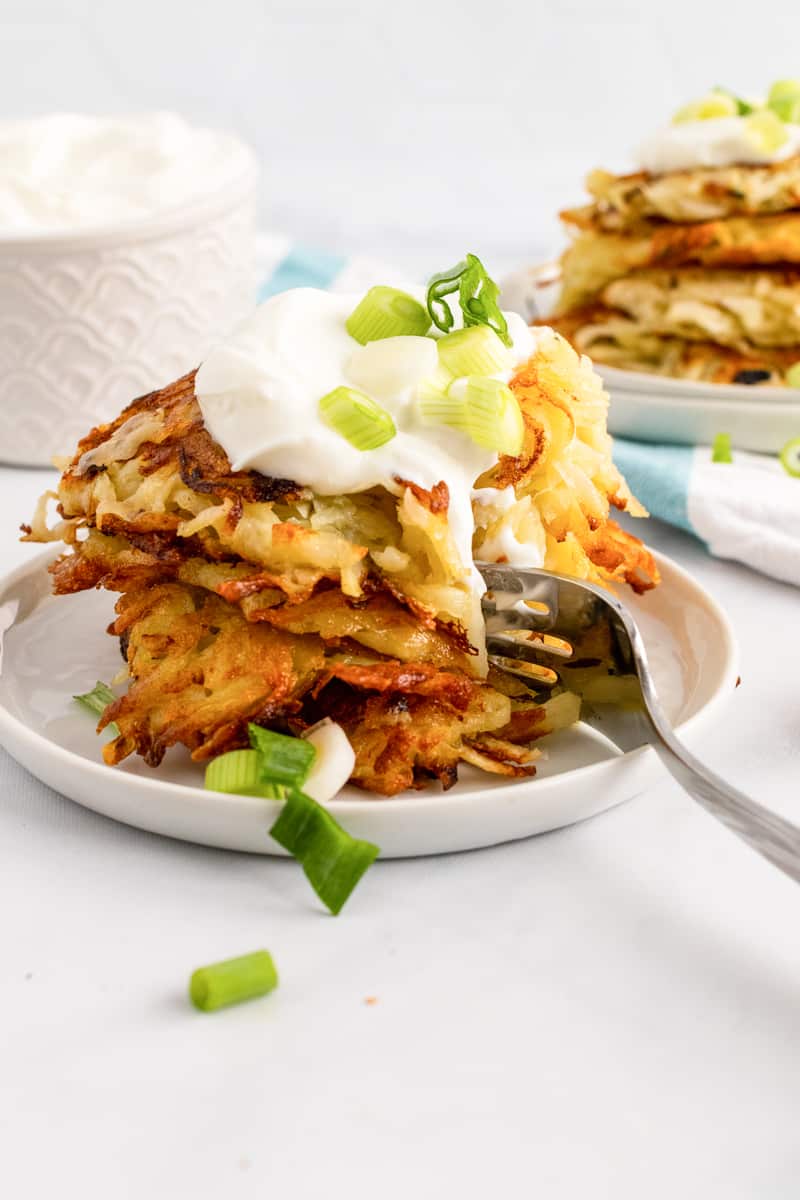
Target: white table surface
{"points": [[610, 1010]]}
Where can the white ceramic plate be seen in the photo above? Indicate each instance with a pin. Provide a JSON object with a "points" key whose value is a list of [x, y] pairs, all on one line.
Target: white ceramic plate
{"points": [[654, 408], [54, 647]]}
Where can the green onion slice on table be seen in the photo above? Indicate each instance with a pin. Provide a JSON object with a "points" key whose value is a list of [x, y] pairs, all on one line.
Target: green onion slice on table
{"points": [[790, 458], [721, 449], [233, 980]]}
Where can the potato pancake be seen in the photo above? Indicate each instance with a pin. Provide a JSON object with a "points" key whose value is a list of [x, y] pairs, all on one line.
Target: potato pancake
{"points": [[622, 203], [249, 598], [617, 340], [596, 259]]}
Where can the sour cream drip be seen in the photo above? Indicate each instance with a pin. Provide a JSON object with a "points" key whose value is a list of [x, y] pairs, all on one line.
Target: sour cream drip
{"points": [[716, 142], [259, 393], [68, 171]]}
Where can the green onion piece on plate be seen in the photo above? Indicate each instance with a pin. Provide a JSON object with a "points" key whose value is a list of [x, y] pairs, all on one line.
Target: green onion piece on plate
{"points": [[97, 701], [766, 130], [474, 351], [721, 449], [333, 861], [793, 375], [356, 416], [233, 980], [784, 100], [790, 458], [241, 772], [387, 312], [283, 759]]}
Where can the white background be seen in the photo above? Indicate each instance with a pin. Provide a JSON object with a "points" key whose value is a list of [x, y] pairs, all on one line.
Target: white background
{"points": [[609, 1011], [425, 127]]}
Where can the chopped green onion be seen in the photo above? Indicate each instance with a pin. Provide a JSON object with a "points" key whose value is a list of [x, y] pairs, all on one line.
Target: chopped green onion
{"points": [[784, 100], [387, 312], [715, 104], [767, 130], [440, 285], [743, 107], [721, 450], [435, 386], [485, 409], [790, 458], [356, 416], [444, 408], [793, 375], [332, 860], [241, 772], [97, 701], [283, 759], [477, 298], [474, 351], [233, 980], [494, 414]]}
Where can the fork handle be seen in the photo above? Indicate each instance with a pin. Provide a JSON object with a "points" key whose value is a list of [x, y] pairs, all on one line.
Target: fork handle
{"points": [[773, 837]]}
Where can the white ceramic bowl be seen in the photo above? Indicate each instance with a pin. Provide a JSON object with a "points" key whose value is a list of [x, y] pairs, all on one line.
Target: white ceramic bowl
{"points": [[90, 320]]}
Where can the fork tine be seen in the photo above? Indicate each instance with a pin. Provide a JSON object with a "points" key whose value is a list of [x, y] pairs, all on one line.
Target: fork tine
{"points": [[533, 641], [531, 672], [515, 618], [579, 608]]}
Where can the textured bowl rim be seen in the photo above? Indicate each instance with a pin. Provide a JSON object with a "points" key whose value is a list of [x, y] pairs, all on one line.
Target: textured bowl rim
{"points": [[170, 221]]}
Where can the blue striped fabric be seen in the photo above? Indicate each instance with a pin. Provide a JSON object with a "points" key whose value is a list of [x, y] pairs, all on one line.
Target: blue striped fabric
{"points": [[659, 476], [302, 268]]}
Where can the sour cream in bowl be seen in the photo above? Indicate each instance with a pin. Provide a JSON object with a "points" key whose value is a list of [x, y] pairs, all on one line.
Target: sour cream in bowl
{"points": [[126, 245]]}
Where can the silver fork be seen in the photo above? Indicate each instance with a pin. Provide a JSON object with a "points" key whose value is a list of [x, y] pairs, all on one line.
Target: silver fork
{"points": [[533, 622]]}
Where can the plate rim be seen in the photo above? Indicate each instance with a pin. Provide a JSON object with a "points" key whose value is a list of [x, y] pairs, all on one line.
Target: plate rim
{"points": [[694, 391], [404, 802]]}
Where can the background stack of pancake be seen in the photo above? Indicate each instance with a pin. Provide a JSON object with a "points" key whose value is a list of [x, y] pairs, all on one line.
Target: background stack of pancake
{"points": [[691, 267]]}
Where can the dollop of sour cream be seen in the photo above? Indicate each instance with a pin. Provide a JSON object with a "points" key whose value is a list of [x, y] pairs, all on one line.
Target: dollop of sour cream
{"points": [[68, 171], [259, 393], [716, 142]]}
